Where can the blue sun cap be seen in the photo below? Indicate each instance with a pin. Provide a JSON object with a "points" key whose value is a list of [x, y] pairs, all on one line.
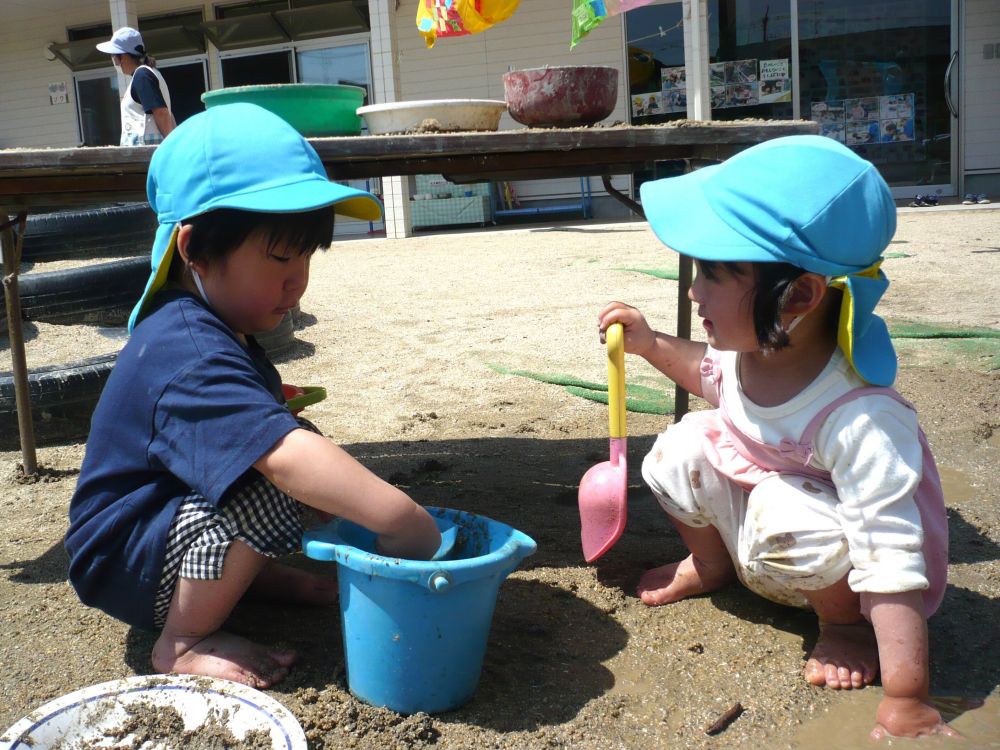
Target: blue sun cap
{"points": [[236, 156], [806, 200]]}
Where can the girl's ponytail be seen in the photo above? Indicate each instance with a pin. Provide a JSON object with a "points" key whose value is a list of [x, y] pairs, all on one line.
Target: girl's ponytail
{"points": [[144, 58]]}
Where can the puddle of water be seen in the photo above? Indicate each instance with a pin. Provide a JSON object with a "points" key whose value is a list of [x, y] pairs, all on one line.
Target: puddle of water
{"points": [[846, 725], [955, 485]]}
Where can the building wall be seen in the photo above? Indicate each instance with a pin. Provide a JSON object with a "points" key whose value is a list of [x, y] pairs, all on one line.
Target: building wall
{"points": [[979, 102], [27, 119], [465, 67]]}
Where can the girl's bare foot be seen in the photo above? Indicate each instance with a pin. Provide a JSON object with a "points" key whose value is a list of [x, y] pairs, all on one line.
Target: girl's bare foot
{"points": [[285, 583], [690, 576], [222, 655], [845, 657]]}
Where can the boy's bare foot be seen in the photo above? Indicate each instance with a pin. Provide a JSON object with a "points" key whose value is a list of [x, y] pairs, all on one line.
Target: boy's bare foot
{"points": [[845, 657], [222, 655], [285, 583], [690, 576]]}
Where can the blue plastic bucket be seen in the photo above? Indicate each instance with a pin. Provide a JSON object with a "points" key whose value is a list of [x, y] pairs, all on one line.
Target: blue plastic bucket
{"points": [[415, 631]]}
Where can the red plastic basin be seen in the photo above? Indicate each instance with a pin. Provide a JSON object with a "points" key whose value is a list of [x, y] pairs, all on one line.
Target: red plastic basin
{"points": [[561, 97]]}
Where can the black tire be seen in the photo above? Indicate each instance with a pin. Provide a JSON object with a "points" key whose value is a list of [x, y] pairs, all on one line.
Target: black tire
{"points": [[101, 294], [63, 398], [122, 230], [280, 340]]}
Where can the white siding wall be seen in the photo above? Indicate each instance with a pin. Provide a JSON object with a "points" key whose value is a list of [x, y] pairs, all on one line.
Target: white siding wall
{"points": [[472, 67], [980, 100], [27, 119]]}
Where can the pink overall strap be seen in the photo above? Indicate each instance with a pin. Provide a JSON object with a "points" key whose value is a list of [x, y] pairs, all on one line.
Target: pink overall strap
{"points": [[929, 498], [809, 434]]}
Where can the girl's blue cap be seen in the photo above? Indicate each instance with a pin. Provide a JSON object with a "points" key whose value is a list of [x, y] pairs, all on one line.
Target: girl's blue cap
{"points": [[806, 200], [237, 156]]}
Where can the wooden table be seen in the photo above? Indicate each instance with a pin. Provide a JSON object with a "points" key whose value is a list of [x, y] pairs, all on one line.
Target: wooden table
{"points": [[49, 179]]}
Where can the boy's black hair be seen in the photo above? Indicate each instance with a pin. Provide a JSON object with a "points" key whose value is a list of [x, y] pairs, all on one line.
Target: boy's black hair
{"points": [[217, 233], [773, 285]]}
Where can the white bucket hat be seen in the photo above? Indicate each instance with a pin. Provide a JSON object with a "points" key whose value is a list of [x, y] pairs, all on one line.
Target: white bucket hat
{"points": [[125, 41]]}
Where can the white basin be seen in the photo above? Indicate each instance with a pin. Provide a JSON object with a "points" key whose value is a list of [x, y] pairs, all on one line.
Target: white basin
{"points": [[433, 116]]}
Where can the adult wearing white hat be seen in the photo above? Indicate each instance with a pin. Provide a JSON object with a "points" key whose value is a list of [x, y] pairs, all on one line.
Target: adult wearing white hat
{"points": [[145, 107]]}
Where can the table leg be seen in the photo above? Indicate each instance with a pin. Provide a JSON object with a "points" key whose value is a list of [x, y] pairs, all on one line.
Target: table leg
{"points": [[10, 248], [630, 204], [684, 272]]}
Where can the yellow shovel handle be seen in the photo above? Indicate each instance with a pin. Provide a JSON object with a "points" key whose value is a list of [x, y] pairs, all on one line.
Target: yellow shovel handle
{"points": [[615, 338]]}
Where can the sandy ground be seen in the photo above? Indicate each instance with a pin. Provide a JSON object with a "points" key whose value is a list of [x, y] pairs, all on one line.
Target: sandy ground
{"points": [[406, 336]]}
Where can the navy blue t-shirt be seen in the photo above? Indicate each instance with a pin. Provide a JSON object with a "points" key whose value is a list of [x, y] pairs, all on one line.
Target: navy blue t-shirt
{"points": [[186, 409], [146, 90]]}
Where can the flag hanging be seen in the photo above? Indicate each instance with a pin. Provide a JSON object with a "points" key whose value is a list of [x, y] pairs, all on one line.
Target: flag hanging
{"points": [[444, 18], [589, 14]]}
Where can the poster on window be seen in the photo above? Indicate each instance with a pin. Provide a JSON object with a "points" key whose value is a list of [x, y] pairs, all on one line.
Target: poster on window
{"points": [[741, 71], [674, 100], [862, 117], [673, 89], [866, 120], [775, 81], [830, 116], [734, 83], [896, 117], [646, 105], [717, 74], [673, 78]]}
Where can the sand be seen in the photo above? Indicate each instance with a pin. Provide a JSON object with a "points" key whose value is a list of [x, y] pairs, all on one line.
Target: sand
{"points": [[411, 339]]}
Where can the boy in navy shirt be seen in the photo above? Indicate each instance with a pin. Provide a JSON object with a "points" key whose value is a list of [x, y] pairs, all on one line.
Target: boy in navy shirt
{"points": [[195, 468]]}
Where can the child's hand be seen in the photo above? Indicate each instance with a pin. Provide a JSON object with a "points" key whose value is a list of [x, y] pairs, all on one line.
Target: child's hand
{"points": [[417, 541], [908, 717], [639, 337]]}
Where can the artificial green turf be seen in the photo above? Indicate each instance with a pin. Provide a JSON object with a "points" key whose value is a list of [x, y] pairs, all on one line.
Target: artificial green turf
{"points": [[978, 342], [638, 398], [660, 273], [925, 331]]}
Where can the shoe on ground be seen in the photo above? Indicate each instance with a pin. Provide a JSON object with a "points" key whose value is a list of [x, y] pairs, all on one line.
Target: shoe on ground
{"points": [[969, 199], [918, 202], [981, 198]]}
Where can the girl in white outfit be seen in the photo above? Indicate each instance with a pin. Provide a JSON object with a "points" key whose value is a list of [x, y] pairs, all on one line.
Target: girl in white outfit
{"points": [[810, 481]]}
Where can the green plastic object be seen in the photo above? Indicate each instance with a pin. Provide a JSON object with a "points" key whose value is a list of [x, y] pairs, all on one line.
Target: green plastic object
{"points": [[314, 109], [311, 394]]}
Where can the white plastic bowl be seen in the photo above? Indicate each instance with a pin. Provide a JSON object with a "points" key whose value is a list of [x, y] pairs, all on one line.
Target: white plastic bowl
{"points": [[85, 716], [433, 116]]}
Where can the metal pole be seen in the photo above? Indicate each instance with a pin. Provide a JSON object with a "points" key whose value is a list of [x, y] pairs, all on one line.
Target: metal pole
{"points": [[699, 107], [10, 248], [699, 90], [684, 273]]}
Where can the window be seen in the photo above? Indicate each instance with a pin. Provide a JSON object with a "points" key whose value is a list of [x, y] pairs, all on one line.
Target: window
{"points": [[749, 54]]}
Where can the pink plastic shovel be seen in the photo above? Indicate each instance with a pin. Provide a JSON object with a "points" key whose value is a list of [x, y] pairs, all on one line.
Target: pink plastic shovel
{"points": [[603, 497]]}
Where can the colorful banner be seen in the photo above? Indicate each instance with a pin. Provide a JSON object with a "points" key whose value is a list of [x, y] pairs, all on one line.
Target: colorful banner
{"points": [[460, 17]]}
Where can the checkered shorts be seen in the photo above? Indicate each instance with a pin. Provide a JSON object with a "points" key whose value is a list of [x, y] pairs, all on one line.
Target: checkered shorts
{"points": [[259, 515]]}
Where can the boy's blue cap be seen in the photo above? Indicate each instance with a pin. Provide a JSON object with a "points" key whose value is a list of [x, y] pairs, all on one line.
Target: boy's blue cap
{"points": [[237, 156], [806, 200]]}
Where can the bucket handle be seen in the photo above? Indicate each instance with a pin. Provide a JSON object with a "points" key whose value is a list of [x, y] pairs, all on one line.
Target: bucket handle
{"points": [[439, 582]]}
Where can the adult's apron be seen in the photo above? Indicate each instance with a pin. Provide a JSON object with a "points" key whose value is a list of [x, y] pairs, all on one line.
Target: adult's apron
{"points": [[138, 127]]}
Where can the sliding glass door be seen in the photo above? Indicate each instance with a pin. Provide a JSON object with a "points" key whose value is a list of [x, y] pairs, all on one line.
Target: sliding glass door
{"points": [[876, 75]]}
